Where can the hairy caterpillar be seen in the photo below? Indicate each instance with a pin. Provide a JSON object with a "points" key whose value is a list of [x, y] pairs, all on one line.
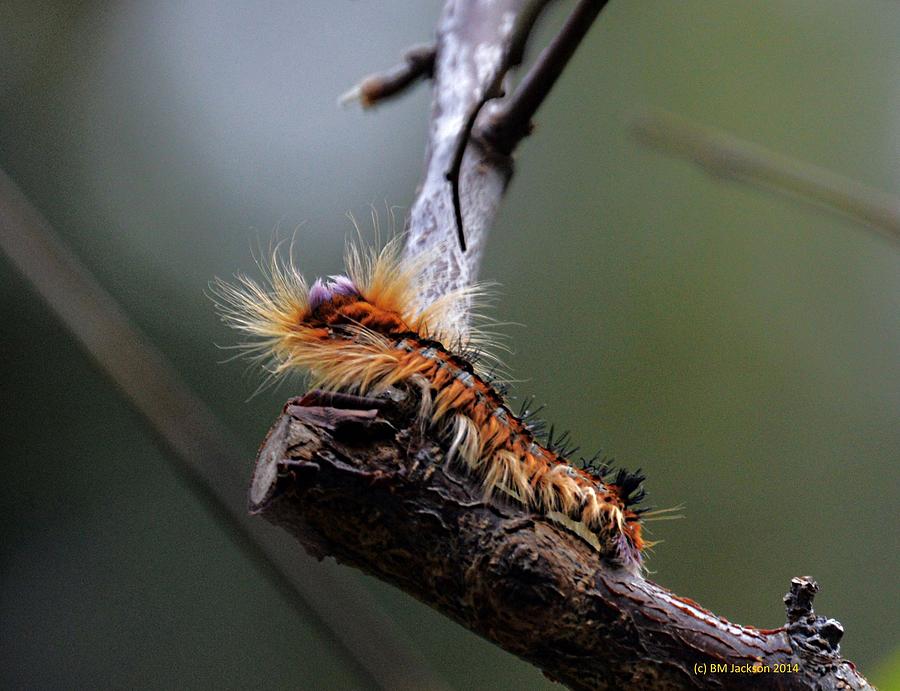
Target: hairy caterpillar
{"points": [[362, 332]]}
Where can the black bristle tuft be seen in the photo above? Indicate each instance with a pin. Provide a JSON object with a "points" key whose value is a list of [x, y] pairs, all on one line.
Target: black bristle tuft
{"points": [[538, 428], [525, 409], [549, 440], [629, 483], [597, 465], [528, 416]]}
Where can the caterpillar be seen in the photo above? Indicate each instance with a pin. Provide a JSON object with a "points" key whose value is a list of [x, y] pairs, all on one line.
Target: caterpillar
{"points": [[362, 332]]}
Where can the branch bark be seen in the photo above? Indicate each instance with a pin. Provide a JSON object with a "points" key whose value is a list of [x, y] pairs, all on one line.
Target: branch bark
{"points": [[478, 42], [365, 487], [510, 122]]}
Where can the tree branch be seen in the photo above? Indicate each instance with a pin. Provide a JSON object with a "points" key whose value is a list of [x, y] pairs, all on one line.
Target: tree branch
{"points": [[364, 486], [474, 131]]}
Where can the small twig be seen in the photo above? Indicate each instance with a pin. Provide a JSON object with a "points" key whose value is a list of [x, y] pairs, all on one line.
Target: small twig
{"points": [[477, 44], [511, 121], [418, 63], [725, 156], [199, 449]]}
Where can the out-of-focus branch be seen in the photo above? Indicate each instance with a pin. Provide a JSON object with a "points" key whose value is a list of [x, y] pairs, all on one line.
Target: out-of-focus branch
{"points": [[725, 156], [201, 451], [364, 486]]}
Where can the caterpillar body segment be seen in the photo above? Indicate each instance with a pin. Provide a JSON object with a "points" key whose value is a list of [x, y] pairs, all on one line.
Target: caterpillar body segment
{"points": [[363, 332]]}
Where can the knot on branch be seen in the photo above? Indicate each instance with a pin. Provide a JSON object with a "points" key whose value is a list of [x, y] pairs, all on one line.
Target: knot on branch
{"points": [[814, 639]]}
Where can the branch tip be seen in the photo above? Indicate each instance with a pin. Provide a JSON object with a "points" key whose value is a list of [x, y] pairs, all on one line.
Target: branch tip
{"points": [[418, 63]]}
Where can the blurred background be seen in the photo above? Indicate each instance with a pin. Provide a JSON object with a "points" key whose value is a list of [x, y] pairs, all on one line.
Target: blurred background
{"points": [[741, 347]]}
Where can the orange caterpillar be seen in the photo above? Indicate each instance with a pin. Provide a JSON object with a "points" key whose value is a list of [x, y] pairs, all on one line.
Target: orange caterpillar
{"points": [[362, 333]]}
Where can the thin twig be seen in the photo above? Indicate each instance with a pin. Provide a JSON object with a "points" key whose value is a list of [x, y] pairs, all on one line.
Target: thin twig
{"points": [[418, 63], [200, 450], [511, 121], [725, 156]]}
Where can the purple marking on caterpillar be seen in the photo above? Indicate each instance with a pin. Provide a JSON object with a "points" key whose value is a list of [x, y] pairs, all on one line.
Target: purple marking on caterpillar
{"points": [[318, 294], [341, 285], [322, 291]]}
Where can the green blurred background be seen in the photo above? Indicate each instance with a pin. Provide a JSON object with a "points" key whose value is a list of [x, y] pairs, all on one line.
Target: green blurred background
{"points": [[741, 347]]}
